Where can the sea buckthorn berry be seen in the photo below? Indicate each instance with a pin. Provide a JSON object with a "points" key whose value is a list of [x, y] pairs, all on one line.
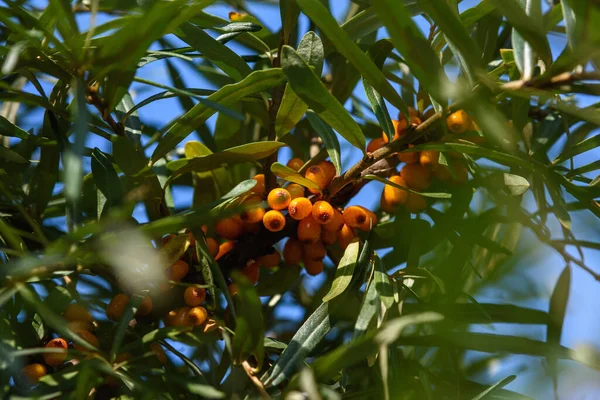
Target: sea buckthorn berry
{"points": [[336, 222], [392, 196], [328, 237], [230, 228], [313, 267], [169, 318], [300, 208], [295, 190], [345, 236], [181, 318], [329, 169], [314, 251], [33, 372], [56, 359], [416, 176], [292, 251], [458, 122], [196, 316], [253, 212], [158, 352], [260, 184], [386, 206], [322, 212], [443, 173], [270, 260], [370, 222], [409, 158], [376, 144], [252, 272], [179, 270], [79, 325], [224, 248], [318, 176], [213, 247], [279, 199], [116, 307], [355, 216], [76, 312], [429, 158], [274, 220], [415, 203], [253, 228], [309, 230], [145, 307], [295, 163], [194, 296], [401, 125], [88, 337]]}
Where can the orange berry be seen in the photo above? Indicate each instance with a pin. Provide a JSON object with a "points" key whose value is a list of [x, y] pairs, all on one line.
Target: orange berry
{"points": [[116, 307], [300, 208], [33, 372], [345, 236], [392, 197], [88, 337], [260, 184], [194, 296], [179, 270], [313, 267], [169, 318], [322, 212], [409, 158], [295, 163], [295, 190], [196, 316], [274, 220], [252, 272], [370, 222], [158, 352], [458, 122], [253, 211], [213, 247], [279, 199], [252, 228], [336, 222], [270, 260], [56, 359], [328, 237], [79, 325], [181, 318], [329, 169], [314, 251], [318, 176], [224, 248], [309, 230], [230, 228], [145, 307], [416, 176], [415, 203], [76, 312], [355, 216], [376, 144], [402, 125], [292, 251], [443, 173], [429, 157]]}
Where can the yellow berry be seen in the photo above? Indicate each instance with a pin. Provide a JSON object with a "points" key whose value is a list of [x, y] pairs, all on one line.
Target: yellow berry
{"points": [[279, 199], [292, 251], [56, 359], [194, 296], [295, 163], [309, 230], [322, 212], [274, 220]]}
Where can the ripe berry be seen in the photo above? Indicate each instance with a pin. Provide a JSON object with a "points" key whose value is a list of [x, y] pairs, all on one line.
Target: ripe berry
{"points": [[328, 237], [79, 325], [295, 163], [345, 236], [329, 169], [309, 230], [443, 173], [409, 158], [416, 176], [179, 270], [76, 312], [370, 222], [313, 267], [224, 248], [292, 251], [213, 247], [402, 125], [415, 203], [274, 220], [458, 122], [56, 359], [158, 352], [180, 318], [336, 222], [300, 208], [429, 158], [322, 212], [88, 337], [33, 372], [194, 296], [355, 216], [314, 251], [196, 316], [318, 176], [252, 272], [116, 307], [270, 260], [169, 318], [260, 184], [392, 197], [145, 307], [279, 199], [253, 212], [376, 144], [230, 228], [295, 190]]}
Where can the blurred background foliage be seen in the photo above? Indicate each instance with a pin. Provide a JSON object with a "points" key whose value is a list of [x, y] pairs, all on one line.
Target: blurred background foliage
{"points": [[124, 121]]}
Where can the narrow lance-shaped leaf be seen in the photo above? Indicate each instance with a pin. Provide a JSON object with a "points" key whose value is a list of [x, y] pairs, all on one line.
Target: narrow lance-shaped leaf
{"points": [[524, 54], [558, 309], [249, 327], [290, 175], [329, 138], [379, 109], [344, 271], [106, 178], [382, 283]]}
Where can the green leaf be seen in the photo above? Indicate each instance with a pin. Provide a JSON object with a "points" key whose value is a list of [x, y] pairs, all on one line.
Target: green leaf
{"points": [[290, 175], [581, 147], [249, 328], [382, 283], [329, 138], [127, 114], [226, 96], [367, 311], [292, 108], [314, 93], [496, 386], [328, 25], [279, 281], [424, 194], [524, 55], [9, 129], [106, 178], [344, 271], [558, 310], [12, 156], [516, 185], [247, 152], [379, 109]]}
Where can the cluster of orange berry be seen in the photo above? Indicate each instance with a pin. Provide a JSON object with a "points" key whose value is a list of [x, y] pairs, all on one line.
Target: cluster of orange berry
{"points": [[420, 167], [80, 321]]}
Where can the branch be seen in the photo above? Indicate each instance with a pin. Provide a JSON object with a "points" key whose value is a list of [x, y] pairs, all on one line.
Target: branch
{"points": [[542, 82], [94, 99]]}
